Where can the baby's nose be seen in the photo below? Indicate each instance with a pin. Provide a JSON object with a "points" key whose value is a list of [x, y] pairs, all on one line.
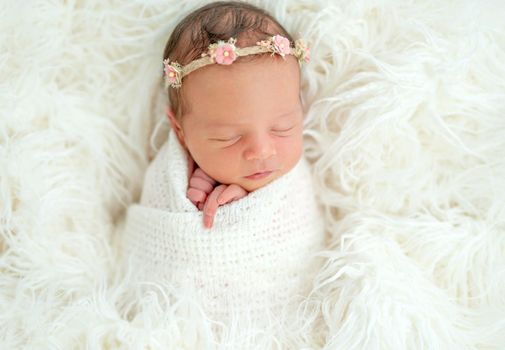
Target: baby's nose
{"points": [[260, 147]]}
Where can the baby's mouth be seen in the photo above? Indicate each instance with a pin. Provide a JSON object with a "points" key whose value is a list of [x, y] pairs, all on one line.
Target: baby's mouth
{"points": [[259, 175]]}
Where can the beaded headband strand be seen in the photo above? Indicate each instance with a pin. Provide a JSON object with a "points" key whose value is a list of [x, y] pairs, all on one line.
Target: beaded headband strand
{"points": [[226, 53]]}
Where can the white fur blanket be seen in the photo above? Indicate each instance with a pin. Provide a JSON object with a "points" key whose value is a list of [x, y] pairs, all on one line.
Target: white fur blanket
{"points": [[259, 254], [404, 135]]}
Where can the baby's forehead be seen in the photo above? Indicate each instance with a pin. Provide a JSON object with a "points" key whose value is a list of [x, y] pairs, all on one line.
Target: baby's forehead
{"points": [[268, 85], [230, 120], [223, 120]]}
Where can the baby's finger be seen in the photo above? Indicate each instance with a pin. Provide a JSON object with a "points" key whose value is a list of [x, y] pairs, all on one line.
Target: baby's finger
{"points": [[195, 195], [232, 192], [201, 184], [203, 175], [210, 207]]}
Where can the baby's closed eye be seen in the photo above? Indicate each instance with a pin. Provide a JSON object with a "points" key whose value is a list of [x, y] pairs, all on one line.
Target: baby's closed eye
{"points": [[236, 137]]}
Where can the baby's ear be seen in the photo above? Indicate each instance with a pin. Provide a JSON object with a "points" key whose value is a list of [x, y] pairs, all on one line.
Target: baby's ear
{"points": [[175, 125], [171, 116]]}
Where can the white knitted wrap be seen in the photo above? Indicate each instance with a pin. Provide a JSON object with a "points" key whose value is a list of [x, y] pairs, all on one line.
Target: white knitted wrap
{"points": [[258, 254]]}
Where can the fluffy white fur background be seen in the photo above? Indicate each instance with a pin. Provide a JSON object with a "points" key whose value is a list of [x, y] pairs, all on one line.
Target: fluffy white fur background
{"points": [[405, 129]]}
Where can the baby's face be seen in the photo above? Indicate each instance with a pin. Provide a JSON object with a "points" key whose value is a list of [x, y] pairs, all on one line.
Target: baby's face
{"points": [[243, 119]]}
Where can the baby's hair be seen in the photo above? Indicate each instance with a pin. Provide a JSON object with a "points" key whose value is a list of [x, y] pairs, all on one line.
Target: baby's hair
{"points": [[219, 20]]}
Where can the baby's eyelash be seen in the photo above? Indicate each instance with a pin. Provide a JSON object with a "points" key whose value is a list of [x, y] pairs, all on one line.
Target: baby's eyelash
{"points": [[284, 129], [233, 138], [225, 140]]}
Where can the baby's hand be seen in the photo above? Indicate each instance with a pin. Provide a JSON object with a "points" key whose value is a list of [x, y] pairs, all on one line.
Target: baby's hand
{"points": [[222, 194], [200, 185]]}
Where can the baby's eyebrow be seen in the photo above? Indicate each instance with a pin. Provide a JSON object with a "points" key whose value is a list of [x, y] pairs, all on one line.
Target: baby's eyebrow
{"points": [[224, 125]]}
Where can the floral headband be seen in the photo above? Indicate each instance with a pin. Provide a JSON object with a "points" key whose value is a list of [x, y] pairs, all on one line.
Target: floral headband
{"points": [[226, 53]]}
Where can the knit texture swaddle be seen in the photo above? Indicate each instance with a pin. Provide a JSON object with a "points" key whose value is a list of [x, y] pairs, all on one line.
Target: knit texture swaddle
{"points": [[257, 255]]}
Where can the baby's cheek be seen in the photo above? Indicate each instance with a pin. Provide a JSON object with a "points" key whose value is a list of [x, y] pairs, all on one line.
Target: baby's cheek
{"points": [[290, 152], [223, 166]]}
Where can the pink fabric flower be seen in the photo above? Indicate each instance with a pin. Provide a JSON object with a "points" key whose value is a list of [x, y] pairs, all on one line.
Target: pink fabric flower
{"points": [[170, 72], [225, 54], [281, 44]]}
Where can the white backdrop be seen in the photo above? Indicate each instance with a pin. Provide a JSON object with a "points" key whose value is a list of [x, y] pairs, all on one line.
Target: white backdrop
{"points": [[405, 131]]}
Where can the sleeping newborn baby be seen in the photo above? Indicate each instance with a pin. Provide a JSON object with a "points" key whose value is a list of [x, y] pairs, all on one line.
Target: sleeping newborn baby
{"points": [[234, 162], [242, 125]]}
